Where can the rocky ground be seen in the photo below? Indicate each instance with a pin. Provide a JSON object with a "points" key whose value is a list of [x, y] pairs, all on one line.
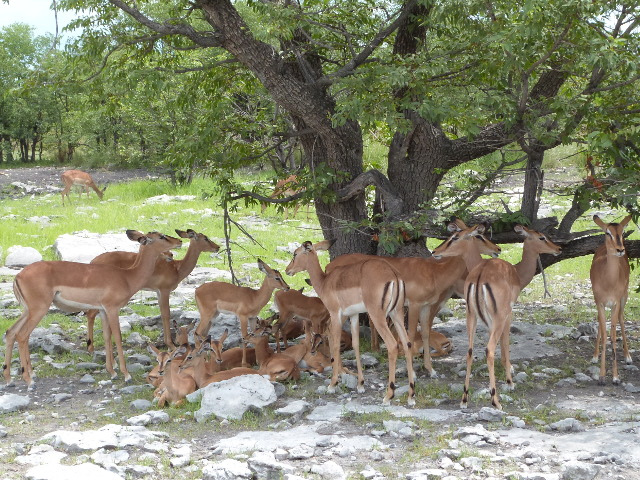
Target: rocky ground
{"points": [[557, 424]]}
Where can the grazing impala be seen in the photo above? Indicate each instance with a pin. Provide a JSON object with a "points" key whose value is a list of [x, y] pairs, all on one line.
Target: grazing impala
{"points": [[491, 289], [75, 287], [372, 286], [79, 178], [244, 302], [610, 284], [430, 282], [166, 277]]}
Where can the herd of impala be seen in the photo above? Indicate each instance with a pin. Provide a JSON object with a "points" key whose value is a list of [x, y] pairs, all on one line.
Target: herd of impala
{"points": [[349, 285]]}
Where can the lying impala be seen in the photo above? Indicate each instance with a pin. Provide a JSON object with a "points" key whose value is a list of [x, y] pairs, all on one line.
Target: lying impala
{"points": [[175, 385], [166, 277], [294, 308], [75, 287], [491, 289], [278, 366], [244, 302], [430, 282], [372, 286], [79, 178], [610, 284]]}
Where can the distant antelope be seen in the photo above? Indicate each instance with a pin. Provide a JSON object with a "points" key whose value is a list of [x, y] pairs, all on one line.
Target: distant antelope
{"points": [[82, 179]]}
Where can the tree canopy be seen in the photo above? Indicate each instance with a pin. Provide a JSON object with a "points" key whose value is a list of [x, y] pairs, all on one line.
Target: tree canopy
{"points": [[213, 85]]}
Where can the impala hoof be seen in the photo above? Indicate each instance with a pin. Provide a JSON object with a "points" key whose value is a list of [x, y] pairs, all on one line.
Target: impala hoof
{"points": [[601, 381], [411, 402], [628, 360], [594, 360], [386, 401], [31, 387], [616, 381], [331, 389], [360, 389], [464, 405]]}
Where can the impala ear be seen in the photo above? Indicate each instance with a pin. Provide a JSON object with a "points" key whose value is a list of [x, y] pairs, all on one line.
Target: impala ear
{"points": [[135, 235], [456, 225], [324, 245], [308, 246], [624, 221], [521, 230], [599, 222], [182, 233], [262, 266]]}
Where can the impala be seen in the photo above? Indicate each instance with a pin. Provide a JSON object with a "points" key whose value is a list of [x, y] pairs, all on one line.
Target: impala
{"points": [[372, 286], [79, 178], [491, 289], [166, 277], [76, 287], [286, 187], [294, 308], [244, 302], [175, 385], [278, 366], [430, 282], [610, 284]]}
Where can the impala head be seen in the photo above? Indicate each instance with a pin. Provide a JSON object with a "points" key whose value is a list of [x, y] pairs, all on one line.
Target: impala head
{"points": [[464, 239], [201, 239], [159, 240], [273, 277], [179, 353], [538, 241], [613, 239], [302, 254], [216, 345]]}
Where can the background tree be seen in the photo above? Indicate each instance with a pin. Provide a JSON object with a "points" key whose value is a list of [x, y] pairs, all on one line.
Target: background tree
{"points": [[442, 83]]}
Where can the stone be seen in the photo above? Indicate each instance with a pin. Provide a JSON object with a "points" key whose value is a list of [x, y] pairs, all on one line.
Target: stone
{"points": [[329, 470], [18, 256], [66, 472], [232, 398], [10, 402], [228, 469], [576, 470]]}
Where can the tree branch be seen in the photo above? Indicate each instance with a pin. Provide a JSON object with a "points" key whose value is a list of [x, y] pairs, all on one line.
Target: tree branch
{"points": [[392, 201]]}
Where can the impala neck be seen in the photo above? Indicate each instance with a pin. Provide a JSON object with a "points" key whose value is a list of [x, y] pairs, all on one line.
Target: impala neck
{"points": [[316, 274], [526, 268], [262, 350], [263, 294], [613, 267], [188, 263], [143, 267]]}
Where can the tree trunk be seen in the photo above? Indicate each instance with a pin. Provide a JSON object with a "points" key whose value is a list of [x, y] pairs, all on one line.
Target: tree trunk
{"points": [[533, 182]]}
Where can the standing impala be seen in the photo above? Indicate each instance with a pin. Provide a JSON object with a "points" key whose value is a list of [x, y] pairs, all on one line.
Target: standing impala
{"points": [[286, 187], [244, 302], [79, 178], [610, 284], [371, 286], [491, 289], [164, 280], [430, 282], [75, 287]]}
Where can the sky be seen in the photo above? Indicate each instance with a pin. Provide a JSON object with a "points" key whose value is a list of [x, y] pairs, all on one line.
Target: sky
{"points": [[36, 13]]}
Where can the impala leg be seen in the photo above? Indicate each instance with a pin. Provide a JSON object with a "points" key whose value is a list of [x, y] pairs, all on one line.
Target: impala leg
{"points": [[623, 334], [491, 354], [471, 332], [114, 323], [22, 338], [408, 353], [91, 319], [355, 343], [165, 314], [426, 321], [335, 329], [375, 340], [10, 340], [505, 354], [244, 330], [615, 315], [602, 342], [108, 347]]}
